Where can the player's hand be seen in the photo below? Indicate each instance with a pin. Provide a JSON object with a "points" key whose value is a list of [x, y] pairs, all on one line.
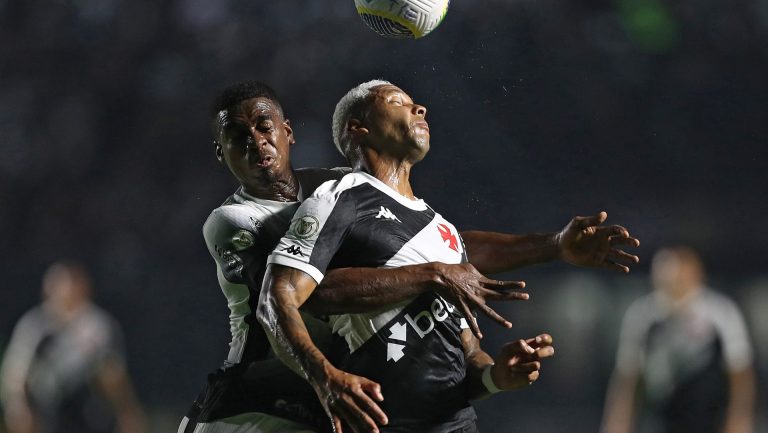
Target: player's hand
{"points": [[584, 242], [519, 363], [469, 289], [349, 400]]}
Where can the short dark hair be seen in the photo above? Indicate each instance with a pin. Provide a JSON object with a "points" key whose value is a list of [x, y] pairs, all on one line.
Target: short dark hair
{"points": [[241, 91]]}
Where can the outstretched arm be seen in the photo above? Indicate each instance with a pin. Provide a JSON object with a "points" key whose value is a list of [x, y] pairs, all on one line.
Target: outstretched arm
{"points": [[583, 242], [355, 290], [344, 396]]}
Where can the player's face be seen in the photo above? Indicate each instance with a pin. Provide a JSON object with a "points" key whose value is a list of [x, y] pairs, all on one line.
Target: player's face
{"points": [[676, 275], [397, 125], [254, 141]]}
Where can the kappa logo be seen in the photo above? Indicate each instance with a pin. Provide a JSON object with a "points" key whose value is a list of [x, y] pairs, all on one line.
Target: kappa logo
{"points": [[447, 235], [293, 249], [386, 213], [422, 323]]}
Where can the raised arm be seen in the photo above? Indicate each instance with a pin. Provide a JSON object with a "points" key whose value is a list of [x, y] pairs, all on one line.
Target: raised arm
{"points": [[343, 395], [583, 242]]}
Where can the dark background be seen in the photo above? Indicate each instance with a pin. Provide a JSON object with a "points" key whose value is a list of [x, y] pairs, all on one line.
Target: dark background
{"points": [[653, 110]]}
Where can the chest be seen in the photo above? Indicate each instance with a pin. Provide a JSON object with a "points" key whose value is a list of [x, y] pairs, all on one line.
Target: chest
{"points": [[391, 235]]}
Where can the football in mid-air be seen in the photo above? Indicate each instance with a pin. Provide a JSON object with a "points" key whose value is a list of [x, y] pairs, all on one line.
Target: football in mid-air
{"points": [[402, 19]]}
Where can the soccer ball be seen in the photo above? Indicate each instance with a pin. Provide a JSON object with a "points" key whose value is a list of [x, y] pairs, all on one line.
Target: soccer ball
{"points": [[402, 19]]}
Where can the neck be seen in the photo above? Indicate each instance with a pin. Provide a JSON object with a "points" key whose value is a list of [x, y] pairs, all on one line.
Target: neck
{"points": [[283, 187], [393, 172]]}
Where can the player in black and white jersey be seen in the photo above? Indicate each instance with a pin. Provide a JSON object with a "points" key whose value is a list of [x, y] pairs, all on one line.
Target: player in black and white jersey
{"points": [[419, 350], [684, 362]]}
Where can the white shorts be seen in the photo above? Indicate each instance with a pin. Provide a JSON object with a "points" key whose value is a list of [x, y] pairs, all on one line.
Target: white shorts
{"points": [[254, 422]]}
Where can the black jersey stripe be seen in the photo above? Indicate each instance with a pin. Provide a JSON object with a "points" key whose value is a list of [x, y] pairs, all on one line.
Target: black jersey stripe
{"points": [[380, 227]]}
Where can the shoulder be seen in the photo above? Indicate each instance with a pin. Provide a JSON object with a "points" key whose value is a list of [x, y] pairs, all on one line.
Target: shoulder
{"points": [[310, 178], [335, 188], [720, 308], [33, 319], [641, 313], [232, 221]]}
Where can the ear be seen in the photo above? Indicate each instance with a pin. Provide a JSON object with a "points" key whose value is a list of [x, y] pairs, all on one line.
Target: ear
{"points": [[219, 151], [289, 131]]}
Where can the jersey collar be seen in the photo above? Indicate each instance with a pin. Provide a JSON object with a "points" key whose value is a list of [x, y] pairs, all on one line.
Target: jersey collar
{"points": [[417, 204]]}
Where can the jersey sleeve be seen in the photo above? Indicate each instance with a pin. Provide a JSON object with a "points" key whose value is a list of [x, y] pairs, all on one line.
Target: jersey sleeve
{"points": [[730, 325], [634, 330], [316, 232], [235, 242]]}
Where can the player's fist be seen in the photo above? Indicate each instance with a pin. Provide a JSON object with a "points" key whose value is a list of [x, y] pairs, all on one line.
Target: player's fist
{"points": [[519, 363]]}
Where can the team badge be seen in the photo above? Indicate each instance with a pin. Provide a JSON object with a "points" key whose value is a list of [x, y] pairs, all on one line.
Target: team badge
{"points": [[242, 240], [447, 235], [305, 227]]}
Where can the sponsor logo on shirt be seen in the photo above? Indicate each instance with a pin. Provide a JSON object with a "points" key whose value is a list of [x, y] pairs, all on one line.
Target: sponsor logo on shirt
{"points": [[422, 324]]}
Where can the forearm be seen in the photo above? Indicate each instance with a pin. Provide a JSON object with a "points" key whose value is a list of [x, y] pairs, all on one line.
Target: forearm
{"points": [[475, 368], [476, 360], [619, 404], [492, 252], [739, 416], [118, 389], [278, 312], [360, 290]]}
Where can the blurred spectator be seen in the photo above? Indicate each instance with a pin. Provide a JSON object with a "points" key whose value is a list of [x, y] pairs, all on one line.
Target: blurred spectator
{"points": [[64, 370], [686, 349]]}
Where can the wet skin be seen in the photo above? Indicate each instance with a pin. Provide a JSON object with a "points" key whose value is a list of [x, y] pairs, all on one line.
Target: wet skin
{"points": [[253, 140]]}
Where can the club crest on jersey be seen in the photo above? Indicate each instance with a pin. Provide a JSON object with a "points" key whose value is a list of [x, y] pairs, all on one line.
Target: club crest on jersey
{"points": [[386, 213], [242, 240], [422, 324], [305, 227], [447, 235]]}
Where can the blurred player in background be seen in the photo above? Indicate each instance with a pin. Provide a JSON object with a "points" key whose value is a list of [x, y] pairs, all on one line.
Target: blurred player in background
{"points": [[64, 370], [686, 349]]}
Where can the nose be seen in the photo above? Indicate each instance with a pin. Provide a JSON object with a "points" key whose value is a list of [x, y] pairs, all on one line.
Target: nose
{"points": [[258, 139], [419, 110]]}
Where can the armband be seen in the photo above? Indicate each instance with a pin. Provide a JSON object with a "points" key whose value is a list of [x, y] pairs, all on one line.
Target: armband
{"points": [[488, 381]]}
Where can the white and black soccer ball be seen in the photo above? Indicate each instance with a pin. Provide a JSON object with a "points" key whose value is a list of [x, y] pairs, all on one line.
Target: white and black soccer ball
{"points": [[402, 19]]}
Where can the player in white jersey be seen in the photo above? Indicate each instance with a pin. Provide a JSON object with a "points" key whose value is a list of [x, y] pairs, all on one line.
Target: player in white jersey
{"points": [[419, 348]]}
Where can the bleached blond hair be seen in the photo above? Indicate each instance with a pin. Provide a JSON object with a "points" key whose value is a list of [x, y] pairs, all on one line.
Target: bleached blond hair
{"points": [[346, 108]]}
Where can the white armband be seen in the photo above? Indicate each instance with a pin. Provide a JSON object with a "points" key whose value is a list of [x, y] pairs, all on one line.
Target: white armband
{"points": [[488, 381]]}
